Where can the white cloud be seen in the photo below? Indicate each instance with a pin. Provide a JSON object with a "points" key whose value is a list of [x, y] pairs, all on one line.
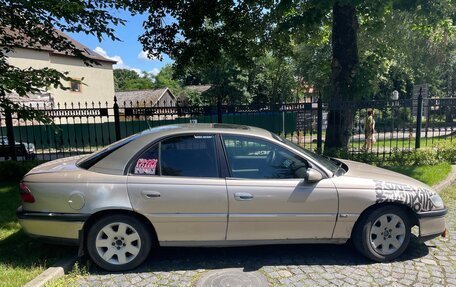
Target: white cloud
{"points": [[120, 63], [143, 56], [155, 71], [103, 53], [138, 71]]}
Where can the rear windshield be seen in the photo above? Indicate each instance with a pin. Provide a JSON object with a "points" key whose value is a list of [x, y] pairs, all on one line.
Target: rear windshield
{"points": [[90, 160]]}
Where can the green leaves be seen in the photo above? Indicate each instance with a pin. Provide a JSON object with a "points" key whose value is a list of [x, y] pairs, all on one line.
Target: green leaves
{"points": [[33, 24], [128, 80]]}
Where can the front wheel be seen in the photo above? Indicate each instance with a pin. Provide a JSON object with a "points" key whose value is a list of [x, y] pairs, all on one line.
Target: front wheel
{"points": [[383, 234], [118, 242]]}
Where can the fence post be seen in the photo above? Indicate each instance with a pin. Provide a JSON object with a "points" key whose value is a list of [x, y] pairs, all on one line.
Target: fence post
{"points": [[219, 108], [319, 124], [116, 119], [10, 133], [419, 118]]}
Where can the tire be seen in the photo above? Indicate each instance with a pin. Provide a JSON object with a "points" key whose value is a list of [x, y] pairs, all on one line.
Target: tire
{"points": [[383, 234], [118, 242]]}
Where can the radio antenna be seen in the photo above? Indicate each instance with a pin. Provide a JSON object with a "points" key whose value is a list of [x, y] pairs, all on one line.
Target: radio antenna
{"points": [[148, 124]]}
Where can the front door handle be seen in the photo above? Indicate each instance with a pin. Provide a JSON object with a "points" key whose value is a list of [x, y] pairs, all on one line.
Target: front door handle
{"points": [[151, 194], [243, 196]]}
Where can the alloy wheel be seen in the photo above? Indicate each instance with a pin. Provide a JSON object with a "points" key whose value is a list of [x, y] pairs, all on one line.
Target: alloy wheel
{"points": [[118, 243], [387, 234]]}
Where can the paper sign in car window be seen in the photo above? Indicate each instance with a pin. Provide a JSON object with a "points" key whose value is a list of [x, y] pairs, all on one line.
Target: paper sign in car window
{"points": [[146, 166]]}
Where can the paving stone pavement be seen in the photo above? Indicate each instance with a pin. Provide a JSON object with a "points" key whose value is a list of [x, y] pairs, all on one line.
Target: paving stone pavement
{"points": [[429, 264]]}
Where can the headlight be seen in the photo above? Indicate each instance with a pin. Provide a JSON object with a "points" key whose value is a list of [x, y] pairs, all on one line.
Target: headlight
{"points": [[437, 201]]}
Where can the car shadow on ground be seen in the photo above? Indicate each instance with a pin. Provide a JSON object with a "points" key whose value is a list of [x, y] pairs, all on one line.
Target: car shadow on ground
{"points": [[253, 258], [20, 251]]}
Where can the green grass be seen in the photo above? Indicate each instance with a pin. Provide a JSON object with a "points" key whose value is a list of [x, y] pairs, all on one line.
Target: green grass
{"points": [[71, 278], [405, 143], [428, 174], [21, 258]]}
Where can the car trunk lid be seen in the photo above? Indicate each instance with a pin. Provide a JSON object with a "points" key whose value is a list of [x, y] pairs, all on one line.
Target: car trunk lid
{"points": [[58, 165]]}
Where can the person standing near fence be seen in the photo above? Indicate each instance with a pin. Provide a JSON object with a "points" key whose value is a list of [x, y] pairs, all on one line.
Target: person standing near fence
{"points": [[369, 130]]}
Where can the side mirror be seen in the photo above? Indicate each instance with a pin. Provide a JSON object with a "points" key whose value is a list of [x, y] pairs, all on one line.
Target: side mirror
{"points": [[313, 175]]}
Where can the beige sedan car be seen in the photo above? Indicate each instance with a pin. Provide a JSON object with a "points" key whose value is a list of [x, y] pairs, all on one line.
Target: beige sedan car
{"points": [[221, 185]]}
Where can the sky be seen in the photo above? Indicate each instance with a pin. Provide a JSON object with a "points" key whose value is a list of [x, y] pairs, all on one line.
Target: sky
{"points": [[128, 52]]}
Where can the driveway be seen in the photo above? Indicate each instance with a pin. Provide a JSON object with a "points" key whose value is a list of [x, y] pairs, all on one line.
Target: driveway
{"points": [[429, 264]]}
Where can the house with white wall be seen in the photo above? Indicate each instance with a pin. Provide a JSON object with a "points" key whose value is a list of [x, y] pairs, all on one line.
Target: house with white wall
{"points": [[97, 81]]}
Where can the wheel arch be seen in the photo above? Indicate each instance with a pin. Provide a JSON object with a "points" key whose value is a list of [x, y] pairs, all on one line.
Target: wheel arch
{"points": [[102, 213], [409, 211]]}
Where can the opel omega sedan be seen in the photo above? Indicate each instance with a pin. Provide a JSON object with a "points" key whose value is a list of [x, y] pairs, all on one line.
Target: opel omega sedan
{"points": [[221, 185]]}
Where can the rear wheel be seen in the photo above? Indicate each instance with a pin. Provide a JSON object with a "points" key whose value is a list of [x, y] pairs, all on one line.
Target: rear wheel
{"points": [[383, 234], [118, 242]]}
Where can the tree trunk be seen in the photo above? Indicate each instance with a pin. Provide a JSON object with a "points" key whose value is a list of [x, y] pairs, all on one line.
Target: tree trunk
{"points": [[344, 71]]}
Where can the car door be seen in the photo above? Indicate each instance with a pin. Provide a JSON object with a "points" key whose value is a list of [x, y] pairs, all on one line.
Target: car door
{"points": [[177, 185], [268, 196]]}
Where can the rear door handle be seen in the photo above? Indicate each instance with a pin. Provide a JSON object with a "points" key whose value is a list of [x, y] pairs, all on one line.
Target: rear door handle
{"points": [[151, 194], [243, 196]]}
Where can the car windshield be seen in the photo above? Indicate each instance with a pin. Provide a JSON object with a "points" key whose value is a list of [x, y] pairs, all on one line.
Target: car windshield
{"points": [[324, 161]]}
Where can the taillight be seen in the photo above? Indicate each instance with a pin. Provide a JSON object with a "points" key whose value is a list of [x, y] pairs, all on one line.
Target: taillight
{"points": [[26, 194]]}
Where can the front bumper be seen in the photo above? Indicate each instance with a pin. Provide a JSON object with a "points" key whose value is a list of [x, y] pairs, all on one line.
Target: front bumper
{"points": [[59, 227], [432, 224]]}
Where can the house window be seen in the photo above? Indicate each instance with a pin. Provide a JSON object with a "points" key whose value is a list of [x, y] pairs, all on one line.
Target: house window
{"points": [[75, 86]]}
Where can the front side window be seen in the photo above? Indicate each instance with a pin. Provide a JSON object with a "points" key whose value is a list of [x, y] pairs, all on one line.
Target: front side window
{"points": [[192, 155], [259, 159]]}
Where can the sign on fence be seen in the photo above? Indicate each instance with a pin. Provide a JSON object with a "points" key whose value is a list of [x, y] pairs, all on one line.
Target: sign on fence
{"points": [[424, 89], [304, 121]]}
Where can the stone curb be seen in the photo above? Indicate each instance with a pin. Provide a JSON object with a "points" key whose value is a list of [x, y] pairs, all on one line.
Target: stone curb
{"points": [[58, 270], [451, 178]]}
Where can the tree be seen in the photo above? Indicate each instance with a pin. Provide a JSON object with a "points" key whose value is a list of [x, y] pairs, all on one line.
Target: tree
{"points": [[165, 79], [224, 42], [344, 73], [203, 31], [35, 24], [128, 80], [272, 80], [142, 83], [121, 76], [312, 59]]}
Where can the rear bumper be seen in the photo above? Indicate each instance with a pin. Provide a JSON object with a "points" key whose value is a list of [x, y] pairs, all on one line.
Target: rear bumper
{"points": [[62, 227], [432, 224]]}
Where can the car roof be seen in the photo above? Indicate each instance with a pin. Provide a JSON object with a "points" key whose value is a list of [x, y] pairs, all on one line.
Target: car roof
{"points": [[116, 162], [207, 128]]}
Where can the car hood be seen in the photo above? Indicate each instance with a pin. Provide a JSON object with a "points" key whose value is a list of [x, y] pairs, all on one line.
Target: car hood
{"points": [[362, 170], [58, 165]]}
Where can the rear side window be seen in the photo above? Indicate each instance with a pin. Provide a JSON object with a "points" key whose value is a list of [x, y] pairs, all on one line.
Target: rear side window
{"points": [[88, 161], [147, 163], [189, 155], [193, 156]]}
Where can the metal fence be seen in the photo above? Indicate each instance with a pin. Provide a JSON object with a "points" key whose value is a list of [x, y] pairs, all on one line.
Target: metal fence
{"points": [[83, 128]]}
